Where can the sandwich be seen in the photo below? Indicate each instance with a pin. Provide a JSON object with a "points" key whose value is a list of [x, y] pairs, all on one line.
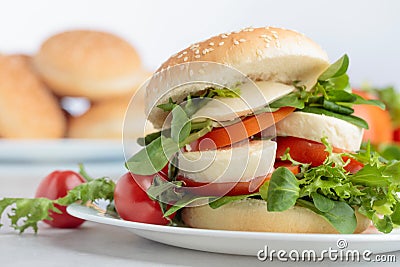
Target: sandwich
{"points": [[257, 133]]}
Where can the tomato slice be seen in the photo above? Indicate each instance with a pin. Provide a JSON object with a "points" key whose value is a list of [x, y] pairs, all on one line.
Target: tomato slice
{"points": [[232, 188], [249, 126], [312, 152]]}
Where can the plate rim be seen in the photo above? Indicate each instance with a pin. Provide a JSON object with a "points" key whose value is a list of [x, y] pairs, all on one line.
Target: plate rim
{"points": [[76, 210]]}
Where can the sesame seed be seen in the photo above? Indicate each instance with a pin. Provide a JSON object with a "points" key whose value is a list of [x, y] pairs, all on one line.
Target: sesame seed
{"points": [[268, 38], [197, 51], [211, 43], [267, 45], [250, 29], [197, 56], [224, 36], [263, 36], [181, 55], [185, 58], [235, 42], [184, 53], [194, 46], [221, 43], [210, 49], [205, 51], [259, 52], [242, 40]]}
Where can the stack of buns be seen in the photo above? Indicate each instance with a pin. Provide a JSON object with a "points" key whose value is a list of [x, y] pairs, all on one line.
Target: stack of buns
{"points": [[99, 67]]}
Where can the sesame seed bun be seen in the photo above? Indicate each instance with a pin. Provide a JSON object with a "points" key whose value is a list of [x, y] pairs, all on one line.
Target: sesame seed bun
{"points": [[252, 215], [27, 108], [89, 64], [266, 54]]}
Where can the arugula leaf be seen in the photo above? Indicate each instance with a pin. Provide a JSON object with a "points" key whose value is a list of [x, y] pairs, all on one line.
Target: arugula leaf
{"points": [[153, 157], [336, 69], [27, 212], [219, 202], [360, 100], [322, 203], [148, 138], [341, 96], [283, 190], [290, 100], [180, 125], [339, 83], [168, 106], [183, 202], [341, 216], [349, 118], [336, 108], [222, 92]]}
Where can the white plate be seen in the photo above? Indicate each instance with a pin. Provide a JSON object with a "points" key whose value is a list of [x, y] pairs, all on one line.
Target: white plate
{"points": [[61, 150], [244, 243]]}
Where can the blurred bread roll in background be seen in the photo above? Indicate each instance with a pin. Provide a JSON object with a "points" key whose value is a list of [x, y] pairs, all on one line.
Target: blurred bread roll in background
{"points": [[27, 108], [91, 64], [105, 119]]}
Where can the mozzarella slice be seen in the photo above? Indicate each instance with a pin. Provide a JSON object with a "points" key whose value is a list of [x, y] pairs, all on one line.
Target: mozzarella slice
{"points": [[240, 163], [340, 134], [252, 97]]}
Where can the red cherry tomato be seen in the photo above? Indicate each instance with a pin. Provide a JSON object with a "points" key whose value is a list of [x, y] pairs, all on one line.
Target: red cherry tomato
{"points": [[232, 188], [132, 202], [307, 151], [54, 186]]}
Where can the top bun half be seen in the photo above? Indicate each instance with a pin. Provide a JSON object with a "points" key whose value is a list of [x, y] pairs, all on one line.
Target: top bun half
{"points": [[259, 54]]}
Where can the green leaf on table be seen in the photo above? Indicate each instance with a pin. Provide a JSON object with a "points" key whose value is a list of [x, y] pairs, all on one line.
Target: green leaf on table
{"points": [[101, 188], [336, 69], [283, 190]]}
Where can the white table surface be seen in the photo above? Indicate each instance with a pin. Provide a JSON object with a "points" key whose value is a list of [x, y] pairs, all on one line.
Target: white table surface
{"points": [[100, 245]]}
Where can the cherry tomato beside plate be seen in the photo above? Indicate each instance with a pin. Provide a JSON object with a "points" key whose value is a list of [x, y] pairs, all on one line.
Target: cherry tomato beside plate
{"points": [[132, 202], [54, 186]]}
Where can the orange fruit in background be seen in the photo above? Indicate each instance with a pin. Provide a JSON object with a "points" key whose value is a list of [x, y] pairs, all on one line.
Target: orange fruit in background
{"points": [[379, 121]]}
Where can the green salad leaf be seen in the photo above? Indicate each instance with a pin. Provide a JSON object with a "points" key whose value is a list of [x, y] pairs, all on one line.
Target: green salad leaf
{"points": [[283, 190]]}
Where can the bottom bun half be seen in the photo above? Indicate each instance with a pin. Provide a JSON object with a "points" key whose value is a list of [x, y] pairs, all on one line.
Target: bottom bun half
{"points": [[252, 215]]}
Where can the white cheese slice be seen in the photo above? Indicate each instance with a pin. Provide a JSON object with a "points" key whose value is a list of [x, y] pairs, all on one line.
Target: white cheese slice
{"points": [[242, 162], [252, 97], [340, 134]]}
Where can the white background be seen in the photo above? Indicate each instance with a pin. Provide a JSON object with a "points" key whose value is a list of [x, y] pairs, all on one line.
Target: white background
{"points": [[367, 30]]}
